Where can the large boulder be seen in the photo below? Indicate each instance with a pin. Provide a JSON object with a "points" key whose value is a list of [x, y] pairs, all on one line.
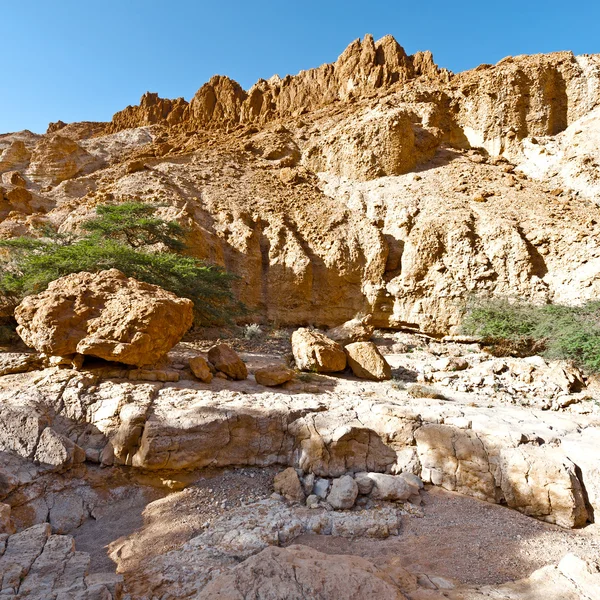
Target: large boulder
{"points": [[366, 361], [314, 351], [105, 314]]}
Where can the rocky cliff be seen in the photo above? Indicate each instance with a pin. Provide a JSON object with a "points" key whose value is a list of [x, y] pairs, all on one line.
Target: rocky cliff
{"points": [[379, 183]]}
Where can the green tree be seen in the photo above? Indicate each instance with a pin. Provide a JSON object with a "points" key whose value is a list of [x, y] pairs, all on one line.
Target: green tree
{"points": [[128, 237]]}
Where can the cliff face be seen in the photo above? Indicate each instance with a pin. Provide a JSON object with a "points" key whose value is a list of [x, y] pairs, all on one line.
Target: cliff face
{"points": [[379, 183]]}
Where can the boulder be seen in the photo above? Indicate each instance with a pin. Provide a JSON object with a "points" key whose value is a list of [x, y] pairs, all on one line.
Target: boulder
{"points": [[343, 493], [394, 488], [106, 315], [273, 375], [201, 369], [226, 360], [366, 361], [355, 330], [58, 450], [288, 484], [314, 351]]}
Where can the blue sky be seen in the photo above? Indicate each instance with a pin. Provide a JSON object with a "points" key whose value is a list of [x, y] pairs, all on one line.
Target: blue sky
{"points": [[86, 59]]}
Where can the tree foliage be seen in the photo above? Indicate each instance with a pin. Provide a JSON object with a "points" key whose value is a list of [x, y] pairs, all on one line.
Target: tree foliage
{"points": [[128, 237]]}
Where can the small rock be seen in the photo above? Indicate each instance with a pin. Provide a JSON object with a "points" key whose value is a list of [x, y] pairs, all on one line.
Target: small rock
{"points": [[200, 369], [364, 482], [273, 375], [308, 483], [451, 363], [321, 487], [6, 523], [227, 361], [287, 483], [312, 501], [366, 361], [355, 330], [314, 351], [344, 491]]}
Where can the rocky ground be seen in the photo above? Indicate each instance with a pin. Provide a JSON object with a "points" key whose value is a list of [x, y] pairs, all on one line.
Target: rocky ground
{"points": [[182, 520]]}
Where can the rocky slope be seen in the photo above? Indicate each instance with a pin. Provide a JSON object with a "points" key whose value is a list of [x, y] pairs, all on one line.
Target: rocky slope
{"points": [[379, 183]]}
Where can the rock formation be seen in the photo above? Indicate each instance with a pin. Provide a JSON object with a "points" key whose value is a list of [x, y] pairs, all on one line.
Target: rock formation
{"points": [[377, 185]]}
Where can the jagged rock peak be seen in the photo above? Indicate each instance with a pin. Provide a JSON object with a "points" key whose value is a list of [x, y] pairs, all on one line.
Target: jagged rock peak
{"points": [[365, 65]]}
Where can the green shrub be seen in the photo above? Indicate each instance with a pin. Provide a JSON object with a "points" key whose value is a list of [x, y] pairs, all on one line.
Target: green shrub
{"points": [[554, 330], [122, 237]]}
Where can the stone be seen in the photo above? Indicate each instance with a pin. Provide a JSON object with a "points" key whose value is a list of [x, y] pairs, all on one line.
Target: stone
{"points": [[451, 363], [394, 488], [366, 361], [364, 482], [19, 362], [6, 523], [543, 483], [273, 375], [106, 315], [343, 493], [57, 158], [14, 178], [312, 501], [321, 487], [358, 329], [57, 450], [308, 483], [287, 483], [313, 351], [226, 360], [200, 369]]}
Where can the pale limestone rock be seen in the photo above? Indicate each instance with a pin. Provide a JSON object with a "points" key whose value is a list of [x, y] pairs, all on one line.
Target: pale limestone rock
{"points": [[343, 493], [366, 361], [314, 351], [358, 329], [57, 450], [38, 565], [106, 315], [287, 483], [321, 487], [299, 572], [543, 483], [394, 488], [364, 482], [273, 375], [450, 363], [226, 360], [200, 369]]}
